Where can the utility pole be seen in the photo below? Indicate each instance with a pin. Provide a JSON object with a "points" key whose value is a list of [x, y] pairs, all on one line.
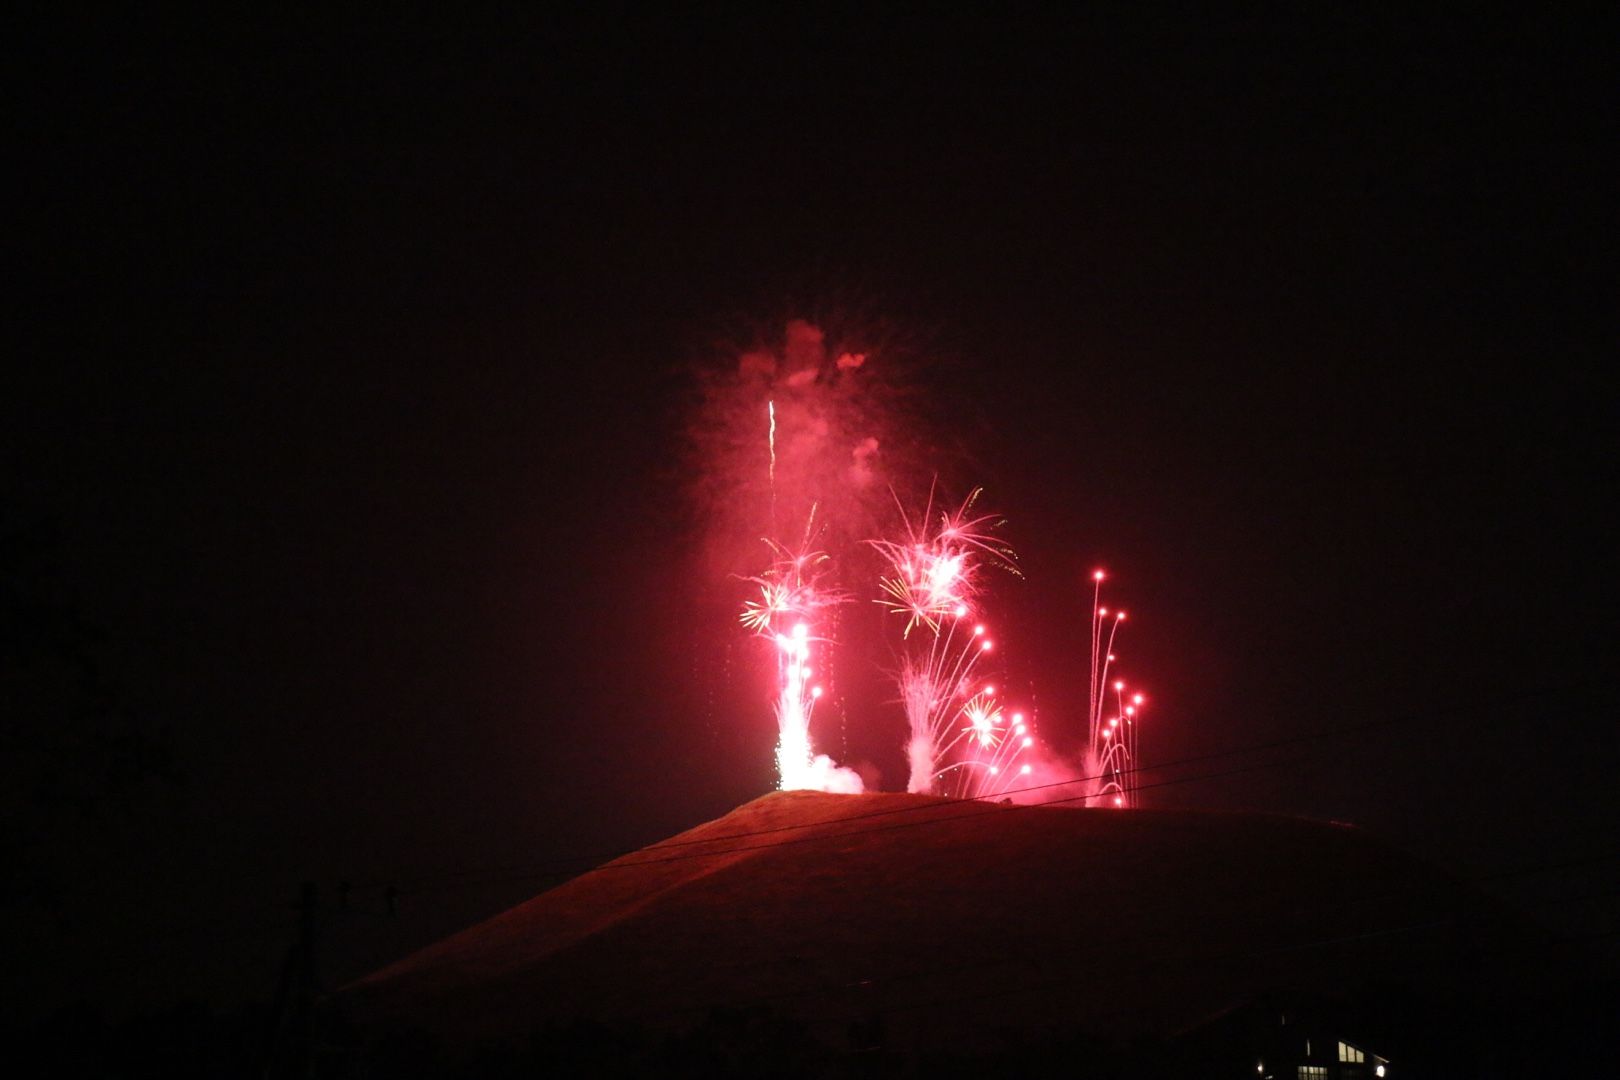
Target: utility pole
{"points": [[304, 1018], [296, 1056]]}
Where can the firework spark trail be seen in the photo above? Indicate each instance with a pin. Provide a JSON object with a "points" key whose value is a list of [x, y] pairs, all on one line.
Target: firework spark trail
{"points": [[1111, 749], [770, 409], [932, 685], [995, 750], [933, 581]]}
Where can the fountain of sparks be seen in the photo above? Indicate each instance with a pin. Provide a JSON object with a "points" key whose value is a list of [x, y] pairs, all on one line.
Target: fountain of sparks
{"points": [[960, 741], [787, 611]]}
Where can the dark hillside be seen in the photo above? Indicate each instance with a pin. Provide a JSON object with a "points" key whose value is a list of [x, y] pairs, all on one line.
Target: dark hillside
{"points": [[958, 923]]}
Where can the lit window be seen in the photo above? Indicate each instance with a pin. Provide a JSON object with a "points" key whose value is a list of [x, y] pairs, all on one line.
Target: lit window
{"points": [[1313, 1072], [1350, 1053]]}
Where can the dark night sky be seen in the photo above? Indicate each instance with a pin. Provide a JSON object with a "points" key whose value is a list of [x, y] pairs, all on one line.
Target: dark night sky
{"points": [[344, 430]]}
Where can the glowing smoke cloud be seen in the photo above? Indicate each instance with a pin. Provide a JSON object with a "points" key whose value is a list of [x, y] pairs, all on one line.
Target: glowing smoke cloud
{"points": [[932, 580], [803, 420], [795, 433], [786, 612]]}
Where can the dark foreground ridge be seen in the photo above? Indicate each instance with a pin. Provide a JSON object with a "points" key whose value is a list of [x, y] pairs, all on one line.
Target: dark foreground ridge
{"points": [[812, 931]]}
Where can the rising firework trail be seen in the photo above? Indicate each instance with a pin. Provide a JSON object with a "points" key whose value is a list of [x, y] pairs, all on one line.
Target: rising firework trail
{"points": [[955, 737], [770, 437], [1113, 728]]}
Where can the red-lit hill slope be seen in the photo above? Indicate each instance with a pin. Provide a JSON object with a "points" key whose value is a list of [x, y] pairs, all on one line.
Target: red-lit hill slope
{"points": [[952, 921]]}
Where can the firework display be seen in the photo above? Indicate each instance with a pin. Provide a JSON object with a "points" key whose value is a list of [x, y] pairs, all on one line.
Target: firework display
{"points": [[798, 435], [956, 734]]}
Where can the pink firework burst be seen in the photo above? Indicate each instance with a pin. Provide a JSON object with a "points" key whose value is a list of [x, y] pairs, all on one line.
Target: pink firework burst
{"points": [[934, 572]]}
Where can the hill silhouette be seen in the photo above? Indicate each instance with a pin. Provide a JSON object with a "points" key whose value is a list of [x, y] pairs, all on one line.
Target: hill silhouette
{"points": [[943, 922]]}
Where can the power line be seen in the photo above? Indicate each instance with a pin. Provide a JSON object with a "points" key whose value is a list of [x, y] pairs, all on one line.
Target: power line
{"points": [[1438, 887], [942, 804], [973, 809]]}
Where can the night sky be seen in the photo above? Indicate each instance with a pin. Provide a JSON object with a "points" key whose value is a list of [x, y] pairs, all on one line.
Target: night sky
{"points": [[345, 525]]}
